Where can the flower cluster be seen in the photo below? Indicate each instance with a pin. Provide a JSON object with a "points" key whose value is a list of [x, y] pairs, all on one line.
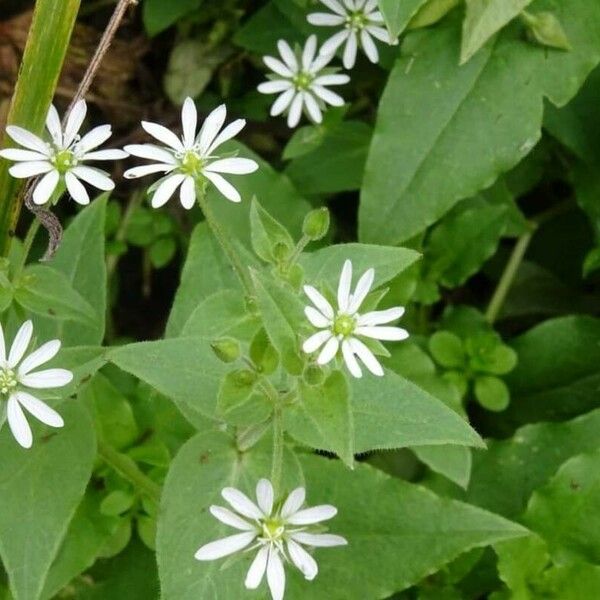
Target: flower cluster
{"points": [[301, 78]]}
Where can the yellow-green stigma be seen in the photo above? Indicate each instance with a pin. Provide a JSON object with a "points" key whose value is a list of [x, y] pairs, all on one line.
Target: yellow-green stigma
{"points": [[344, 325], [8, 380], [272, 529], [64, 160], [303, 80], [192, 164], [356, 20]]}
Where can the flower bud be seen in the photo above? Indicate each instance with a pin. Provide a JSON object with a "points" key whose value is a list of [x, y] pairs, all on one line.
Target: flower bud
{"points": [[227, 349], [316, 224], [313, 375], [244, 378], [545, 29]]}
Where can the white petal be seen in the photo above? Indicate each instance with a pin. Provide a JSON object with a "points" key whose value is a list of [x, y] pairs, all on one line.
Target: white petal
{"points": [[275, 575], [187, 193], [289, 58], [18, 423], [42, 355], [319, 540], [241, 503], [265, 496], [379, 317], [30, 169], [368, 46], [76, 189], [335, 6], [225, 546], [189, 121], [303, 560], [350, 360], [315, 341], [166, 189], [230, 518], [319, 301], [74, 121], [20, 343], [234, 166], [293, 502], [276, 66], [329, 351], [257, 569], [2, 346], [282, 102], [27, 139], [320, 62], [332, 79], [93, 139], [308, 54], [312, 107], [316, 318], [99, 179], [211, 127], [53, 125], [18, 154], [380, 33], [315, 514], [334, 42], [325, 19], [224, 187], [343, 294], [113, 154], [164, 135], [146, 170], [45, 188], [369, 6], [367, 357], [40, 410], [229, 132], [274, 87], [391, 334], [49, 378], [151, 152], [327, 95], [349, 57], [362, 289], [295, 111]]}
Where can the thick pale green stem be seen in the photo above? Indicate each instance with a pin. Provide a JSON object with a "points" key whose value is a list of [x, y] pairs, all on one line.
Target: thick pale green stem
{"points": [[127, 468], [45, 51], [28, 242], [277, 465], [230, 252]]}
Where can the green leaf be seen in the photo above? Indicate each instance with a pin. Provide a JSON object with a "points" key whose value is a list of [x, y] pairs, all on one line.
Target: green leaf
{"points": [[158, 15], [432, 12], [282, 314], [453, 462], [116, 503], [504, 476], [463, 126], [501, 360], [53, 475], [447, 349], [565, 511], [491, 393], [326, 264], [546, 29], [483, 19], [391, 412], [322, 417], [270, 240], [239, 401], [398, 13], [162, 252], [45, 291]]}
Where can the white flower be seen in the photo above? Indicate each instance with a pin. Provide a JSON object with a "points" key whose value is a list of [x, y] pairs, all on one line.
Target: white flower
{"points": [[360, 21], [16, 374], [299, 84], [190, 159], [343, 327], [62, 157], [277, 532]]}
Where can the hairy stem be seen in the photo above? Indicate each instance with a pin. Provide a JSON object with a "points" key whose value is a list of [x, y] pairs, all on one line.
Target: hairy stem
{"points": [[277, 465]]}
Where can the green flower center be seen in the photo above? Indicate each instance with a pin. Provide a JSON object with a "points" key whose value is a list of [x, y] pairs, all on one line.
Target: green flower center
{"points": [[303, 80], [356, 20], [8, 380], [344, 325], [272, 529], [64, 160], [192, 164]]}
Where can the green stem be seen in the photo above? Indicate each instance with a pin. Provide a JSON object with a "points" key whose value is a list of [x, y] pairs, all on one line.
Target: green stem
{"points": [[230, 252], [508, 275], [302, 243], [27, 243], [127, 468], [277, 465]]}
